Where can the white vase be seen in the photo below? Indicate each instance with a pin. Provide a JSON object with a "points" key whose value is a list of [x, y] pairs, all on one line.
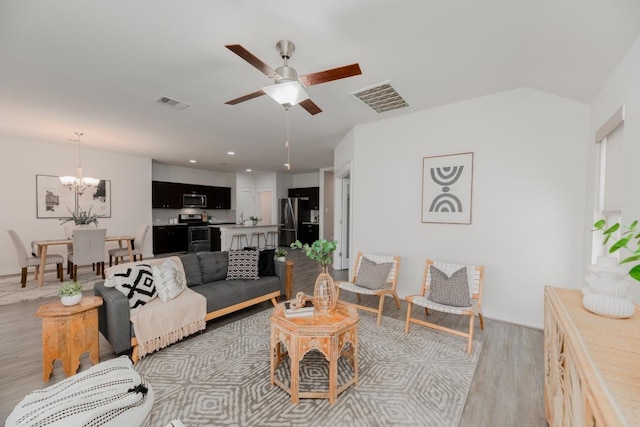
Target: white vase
{"points": [[279, 258], [607, 293], [71, 300]]}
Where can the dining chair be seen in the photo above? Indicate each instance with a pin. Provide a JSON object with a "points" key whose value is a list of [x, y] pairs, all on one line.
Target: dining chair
{"points": [[375, 275], [138, 246], [25, 261], [88, 248]]}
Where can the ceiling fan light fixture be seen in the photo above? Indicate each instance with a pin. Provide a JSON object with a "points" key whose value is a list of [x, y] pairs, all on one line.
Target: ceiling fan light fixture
{"points": [[286, 94]]}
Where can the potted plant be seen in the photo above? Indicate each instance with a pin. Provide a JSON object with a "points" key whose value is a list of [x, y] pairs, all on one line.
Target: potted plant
{"points": [[629, 237], [325, 295], [254, 220], [81, 218], [70, 293], [280, 255]]}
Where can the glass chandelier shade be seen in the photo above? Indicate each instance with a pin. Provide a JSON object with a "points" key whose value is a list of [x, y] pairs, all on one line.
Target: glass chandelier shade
{"points": [[79, 183]]}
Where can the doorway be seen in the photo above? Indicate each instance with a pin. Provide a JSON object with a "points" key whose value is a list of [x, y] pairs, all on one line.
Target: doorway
{"points": [[342, 220], [265, 207]]}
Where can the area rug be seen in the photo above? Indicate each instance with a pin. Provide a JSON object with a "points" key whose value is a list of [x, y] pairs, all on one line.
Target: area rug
{"points": [[11, 291], [221, 377]]}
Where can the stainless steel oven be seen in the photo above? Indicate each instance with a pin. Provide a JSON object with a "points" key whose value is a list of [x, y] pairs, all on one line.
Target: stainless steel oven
{"points": [[199, 235]]}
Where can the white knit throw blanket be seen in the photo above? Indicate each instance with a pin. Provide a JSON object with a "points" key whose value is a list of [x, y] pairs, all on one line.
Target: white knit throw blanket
{"points": [[110, 393], [158, 324]]}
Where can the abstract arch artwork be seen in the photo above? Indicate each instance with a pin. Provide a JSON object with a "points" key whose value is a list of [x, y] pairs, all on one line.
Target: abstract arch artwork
{"points": [[446, 188]]}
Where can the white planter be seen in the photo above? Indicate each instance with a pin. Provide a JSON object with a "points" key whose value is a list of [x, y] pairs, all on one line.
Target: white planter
{"points": [[607, 293], [280, 258], [71, 300]]}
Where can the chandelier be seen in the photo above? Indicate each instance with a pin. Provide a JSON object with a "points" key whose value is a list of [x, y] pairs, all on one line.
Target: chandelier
{"points": [[79, 183]]}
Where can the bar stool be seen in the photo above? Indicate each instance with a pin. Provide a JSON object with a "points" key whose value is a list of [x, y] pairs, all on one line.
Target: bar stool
{"points": [[271, 240], [237, 239], [257, 235]]}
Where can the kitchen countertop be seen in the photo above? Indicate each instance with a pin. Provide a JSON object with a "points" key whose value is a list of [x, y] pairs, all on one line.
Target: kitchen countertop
{"points": [[242, 226], [311, 223]]}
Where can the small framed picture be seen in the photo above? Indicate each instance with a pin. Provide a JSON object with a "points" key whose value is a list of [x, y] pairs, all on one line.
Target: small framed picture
{"points": [[447, 183]]}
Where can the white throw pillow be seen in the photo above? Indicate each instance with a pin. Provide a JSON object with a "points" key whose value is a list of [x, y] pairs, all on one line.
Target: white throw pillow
{"points": [[169, 280]]}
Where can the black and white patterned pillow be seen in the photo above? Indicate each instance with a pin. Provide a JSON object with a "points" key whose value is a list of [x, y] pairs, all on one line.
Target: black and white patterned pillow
{"points": [[453, 291], [136, 283], [243, 265], [372, 275]]}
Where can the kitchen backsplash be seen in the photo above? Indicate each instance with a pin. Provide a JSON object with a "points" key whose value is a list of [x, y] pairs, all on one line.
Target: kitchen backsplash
{"points": [[163, 216]]}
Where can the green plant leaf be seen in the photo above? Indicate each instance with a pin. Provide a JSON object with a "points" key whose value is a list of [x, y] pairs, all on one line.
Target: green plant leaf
{"points": [[612, 229], [599, 224], [635, 272], [630, 259], [620, 244]]}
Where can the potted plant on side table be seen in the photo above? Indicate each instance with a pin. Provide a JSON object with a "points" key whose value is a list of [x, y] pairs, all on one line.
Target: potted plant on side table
{"points": [[70, 293], [280, 255], [324, 291]]}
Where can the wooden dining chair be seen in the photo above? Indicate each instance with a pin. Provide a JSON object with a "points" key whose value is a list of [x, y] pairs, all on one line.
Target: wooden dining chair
{"points": [[138, 246], [25, 261], [88, 248]]}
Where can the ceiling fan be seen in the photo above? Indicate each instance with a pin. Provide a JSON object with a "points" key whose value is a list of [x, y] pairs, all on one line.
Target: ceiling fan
{"points": [[286, 78]]}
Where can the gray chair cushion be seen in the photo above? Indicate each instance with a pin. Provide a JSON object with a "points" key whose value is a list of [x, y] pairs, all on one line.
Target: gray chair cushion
{"points": [[192, 271], [213, 266], [453, 291], [372, 275]]}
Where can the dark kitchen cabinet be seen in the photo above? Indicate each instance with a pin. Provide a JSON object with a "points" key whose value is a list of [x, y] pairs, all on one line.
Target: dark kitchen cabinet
{"points": [[169, 238], [219, 198], [314, 198], [309, 233], [166, 195], [299, 192]]}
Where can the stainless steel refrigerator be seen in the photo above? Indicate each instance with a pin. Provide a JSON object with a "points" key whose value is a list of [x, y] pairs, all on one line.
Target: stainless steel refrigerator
{"points": [[293, 211]]}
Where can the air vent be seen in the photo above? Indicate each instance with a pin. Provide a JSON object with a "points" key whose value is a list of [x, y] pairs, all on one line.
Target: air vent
{"points": [[178, 105], [381, 97]]}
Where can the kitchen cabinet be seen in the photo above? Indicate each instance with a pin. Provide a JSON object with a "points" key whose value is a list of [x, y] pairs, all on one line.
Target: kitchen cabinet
{"points": [[313, 193], [219, 198], [169, 238], [166, 195], [308, 233]]}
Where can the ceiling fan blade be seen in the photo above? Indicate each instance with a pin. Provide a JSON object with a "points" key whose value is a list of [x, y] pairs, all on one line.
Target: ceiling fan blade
{"points": [[253, 60], [330, 75], [310, 106], [246, 97]]}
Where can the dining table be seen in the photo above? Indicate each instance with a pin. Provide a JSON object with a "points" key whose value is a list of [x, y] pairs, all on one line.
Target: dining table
{"points": [[43, 246]]}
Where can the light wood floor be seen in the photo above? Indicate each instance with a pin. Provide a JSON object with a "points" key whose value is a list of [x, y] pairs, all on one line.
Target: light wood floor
{"points": [[506, 389]]}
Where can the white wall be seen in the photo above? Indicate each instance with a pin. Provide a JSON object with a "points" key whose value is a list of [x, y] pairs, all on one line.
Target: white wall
{"points": [[622, 87], [22, 160], [530, 151], [306, 180]]}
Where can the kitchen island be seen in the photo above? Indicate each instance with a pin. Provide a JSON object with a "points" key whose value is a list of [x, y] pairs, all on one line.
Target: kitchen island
{"points": [[228, 230]]}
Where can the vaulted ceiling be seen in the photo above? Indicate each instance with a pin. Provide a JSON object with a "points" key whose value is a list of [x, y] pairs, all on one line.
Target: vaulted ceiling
{"points": [[98, 67]]}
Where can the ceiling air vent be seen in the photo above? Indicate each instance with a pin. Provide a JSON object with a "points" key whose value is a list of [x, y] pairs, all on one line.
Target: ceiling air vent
{"points": [[178, 105], [381, 97]]}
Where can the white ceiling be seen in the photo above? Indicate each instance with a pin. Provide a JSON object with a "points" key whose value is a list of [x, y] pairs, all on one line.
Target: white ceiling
{"points": [[97, 67]]}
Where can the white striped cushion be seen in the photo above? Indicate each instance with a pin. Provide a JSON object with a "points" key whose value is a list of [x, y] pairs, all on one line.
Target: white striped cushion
{"points": [[352, 287], [427, 303]]}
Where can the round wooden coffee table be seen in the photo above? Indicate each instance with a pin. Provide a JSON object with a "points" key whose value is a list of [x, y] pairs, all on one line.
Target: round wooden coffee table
{"points": [[326, 333]]}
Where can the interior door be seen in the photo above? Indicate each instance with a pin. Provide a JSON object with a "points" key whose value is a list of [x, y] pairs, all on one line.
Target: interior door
{"points": [[344, 221], [265, 207], [246, 204]]}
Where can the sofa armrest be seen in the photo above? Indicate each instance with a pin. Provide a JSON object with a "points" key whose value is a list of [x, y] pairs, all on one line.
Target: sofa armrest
{"points": [[113, 317], [284, 271]]}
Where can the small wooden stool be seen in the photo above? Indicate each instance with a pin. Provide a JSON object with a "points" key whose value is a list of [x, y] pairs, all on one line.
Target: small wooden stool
{"points": [[237, 239], [271, 240], [68, 332], [257, 236]]}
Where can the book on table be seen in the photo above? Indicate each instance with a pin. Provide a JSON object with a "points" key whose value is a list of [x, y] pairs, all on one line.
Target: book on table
{"points": [[308, 307], [308, 313]]}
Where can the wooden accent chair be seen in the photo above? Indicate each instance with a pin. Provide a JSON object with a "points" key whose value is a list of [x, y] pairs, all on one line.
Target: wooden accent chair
{"points": [[88, 248], [25, 261], [138, 246], [475, 279], [387, 285]]}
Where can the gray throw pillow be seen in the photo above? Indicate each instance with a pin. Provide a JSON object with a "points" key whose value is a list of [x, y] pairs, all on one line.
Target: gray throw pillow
{"points": [[243, 265], [372, 275], [453, 291]]}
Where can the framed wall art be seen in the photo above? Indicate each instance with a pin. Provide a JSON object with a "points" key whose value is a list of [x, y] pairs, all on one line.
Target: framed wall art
{"points": [[53, 200], [447, 183]]}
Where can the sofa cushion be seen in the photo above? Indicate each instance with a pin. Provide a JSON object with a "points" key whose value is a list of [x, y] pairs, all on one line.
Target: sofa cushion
{"points": [[243, 265], [213, 266], [192, 271], [136, 283], [169, 280], [266, 264]]}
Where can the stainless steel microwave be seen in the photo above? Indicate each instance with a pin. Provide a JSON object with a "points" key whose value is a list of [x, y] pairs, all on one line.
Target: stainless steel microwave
{"points": [[194, 201]]}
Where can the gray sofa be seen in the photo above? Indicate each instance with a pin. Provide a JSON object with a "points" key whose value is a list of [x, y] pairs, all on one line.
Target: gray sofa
{"points": [[206, 274]]}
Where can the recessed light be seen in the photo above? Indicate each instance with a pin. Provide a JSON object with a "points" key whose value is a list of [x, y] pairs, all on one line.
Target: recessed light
{"points": [[231, 153], [248, 170], [192, 161]]}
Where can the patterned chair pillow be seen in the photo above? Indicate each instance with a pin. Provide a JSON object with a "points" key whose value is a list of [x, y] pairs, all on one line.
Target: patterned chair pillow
{"points": [[136, 283], [453, 291], [243, 265], [372, 275], [168, 280]]}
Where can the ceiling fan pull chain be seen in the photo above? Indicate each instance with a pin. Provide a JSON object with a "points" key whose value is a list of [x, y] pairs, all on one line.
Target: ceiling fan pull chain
{"points": [[286, 138]]}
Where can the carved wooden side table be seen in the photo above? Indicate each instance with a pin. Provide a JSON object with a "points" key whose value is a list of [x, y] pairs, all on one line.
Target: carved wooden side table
{"points": [[68, 332], [328, 334]]}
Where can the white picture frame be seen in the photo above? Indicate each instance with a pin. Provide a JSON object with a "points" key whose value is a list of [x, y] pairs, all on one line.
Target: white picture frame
{"points": [[447, 188]]}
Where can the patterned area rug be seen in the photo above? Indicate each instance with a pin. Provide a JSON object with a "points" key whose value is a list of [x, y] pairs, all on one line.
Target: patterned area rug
{"points": [[11, 291], [222, 378]]}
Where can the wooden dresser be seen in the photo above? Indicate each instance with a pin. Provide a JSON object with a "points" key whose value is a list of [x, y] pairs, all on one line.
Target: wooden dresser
{"points": [[592, 364]]}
